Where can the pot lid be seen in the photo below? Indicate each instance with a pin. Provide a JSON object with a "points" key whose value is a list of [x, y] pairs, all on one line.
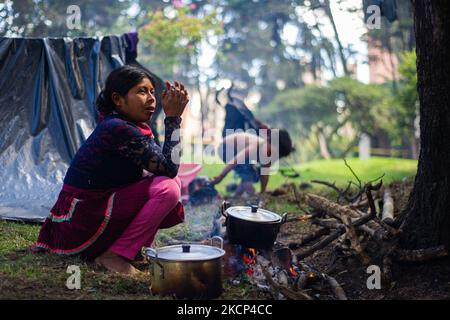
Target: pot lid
{"points": [[187, 252], [253, 213]]}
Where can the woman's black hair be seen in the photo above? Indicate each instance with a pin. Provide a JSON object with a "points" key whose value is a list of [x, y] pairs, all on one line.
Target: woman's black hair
{"points": [[285, 144], [120, 80]]}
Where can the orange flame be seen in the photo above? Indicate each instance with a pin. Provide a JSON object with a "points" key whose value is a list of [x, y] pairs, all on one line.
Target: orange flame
{"points": [[249, 256], [249, 259], [293, 272]]}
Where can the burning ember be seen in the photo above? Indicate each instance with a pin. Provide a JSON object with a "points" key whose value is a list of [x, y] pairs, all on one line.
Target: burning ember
{"points": [[293, 272], [249, 260]]}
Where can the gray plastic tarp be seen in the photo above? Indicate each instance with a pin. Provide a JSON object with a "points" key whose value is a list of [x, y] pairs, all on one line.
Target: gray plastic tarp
{"points": [[48, 89]]}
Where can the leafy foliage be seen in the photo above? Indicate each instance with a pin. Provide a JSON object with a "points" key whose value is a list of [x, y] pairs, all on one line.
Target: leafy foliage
{"points": [[38, 18], [344, 102], [403, 106], [178, 34]]}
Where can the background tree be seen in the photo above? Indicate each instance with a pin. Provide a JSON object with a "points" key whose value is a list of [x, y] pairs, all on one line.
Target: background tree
{"points": [[329, 119], [403, 107], [38, 18], [174, 38], [269, 47], [308, 113]]}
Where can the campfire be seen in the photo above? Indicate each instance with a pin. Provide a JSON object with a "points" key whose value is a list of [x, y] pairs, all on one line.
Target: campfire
{"points": [[275, 271]]}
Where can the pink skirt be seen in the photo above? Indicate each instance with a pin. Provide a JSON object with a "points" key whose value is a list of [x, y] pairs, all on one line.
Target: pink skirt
{"points": [[87, 222]]}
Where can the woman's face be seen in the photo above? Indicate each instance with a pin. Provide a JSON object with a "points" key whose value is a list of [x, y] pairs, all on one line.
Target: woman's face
{"points": [[139, 103]]}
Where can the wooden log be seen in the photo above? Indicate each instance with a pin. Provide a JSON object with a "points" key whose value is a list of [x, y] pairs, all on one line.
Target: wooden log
{"points": [[362, 220], [372, 223], [367, 230], [327, 223], [358, 204], [379, 208], [368, 189], [331, 208], [354, 241], [336, 287], [288, 293], [339, 211], [322, 243], [352, 236], [420, 254], [387, 215], [308, 238]]}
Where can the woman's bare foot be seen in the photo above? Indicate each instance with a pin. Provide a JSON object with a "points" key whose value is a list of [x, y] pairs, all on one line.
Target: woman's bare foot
{"points": [[116, 263]]}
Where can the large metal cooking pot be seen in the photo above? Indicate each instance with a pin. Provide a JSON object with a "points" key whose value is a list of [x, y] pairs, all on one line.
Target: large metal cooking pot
{"points": [[187, 270], [252, 226]]}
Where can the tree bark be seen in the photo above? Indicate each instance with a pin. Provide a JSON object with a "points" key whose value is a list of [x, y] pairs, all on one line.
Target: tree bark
{"points": [[323, 144], [426, 219]]}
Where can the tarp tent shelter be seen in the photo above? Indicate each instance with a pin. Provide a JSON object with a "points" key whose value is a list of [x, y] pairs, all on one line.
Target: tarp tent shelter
{"points": [[48, 89]]}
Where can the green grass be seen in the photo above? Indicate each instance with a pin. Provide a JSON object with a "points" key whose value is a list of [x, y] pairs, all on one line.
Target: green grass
{"points": [[24, 275], [332, 171]]}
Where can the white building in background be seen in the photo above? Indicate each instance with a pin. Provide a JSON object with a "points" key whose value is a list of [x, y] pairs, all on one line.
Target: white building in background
{"points": [[364, 147]]}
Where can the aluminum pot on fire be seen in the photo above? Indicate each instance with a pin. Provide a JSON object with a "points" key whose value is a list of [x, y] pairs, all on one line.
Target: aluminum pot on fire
{"points": [[186, 271]]}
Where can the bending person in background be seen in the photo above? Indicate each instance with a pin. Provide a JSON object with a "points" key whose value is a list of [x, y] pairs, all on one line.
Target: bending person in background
{"points": [[250, 156]]}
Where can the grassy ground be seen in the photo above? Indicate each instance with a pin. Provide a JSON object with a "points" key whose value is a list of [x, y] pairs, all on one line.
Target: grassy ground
{"points": [[332, 170], [24, 275]]}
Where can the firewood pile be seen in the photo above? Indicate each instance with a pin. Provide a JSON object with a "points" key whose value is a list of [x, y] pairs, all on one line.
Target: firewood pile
{"points": [[358, 224], [362, 226], [354, 229]]}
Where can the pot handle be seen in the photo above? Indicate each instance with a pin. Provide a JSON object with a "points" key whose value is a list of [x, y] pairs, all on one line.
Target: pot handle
{"points": [[284, 218], [225, 205], [217, 238], [145, 250], [155, 253]]}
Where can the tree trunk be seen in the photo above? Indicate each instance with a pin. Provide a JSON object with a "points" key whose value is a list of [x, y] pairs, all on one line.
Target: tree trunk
{"points": [[204, 108], [329, 13], [323, 144], [426, 220]]}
